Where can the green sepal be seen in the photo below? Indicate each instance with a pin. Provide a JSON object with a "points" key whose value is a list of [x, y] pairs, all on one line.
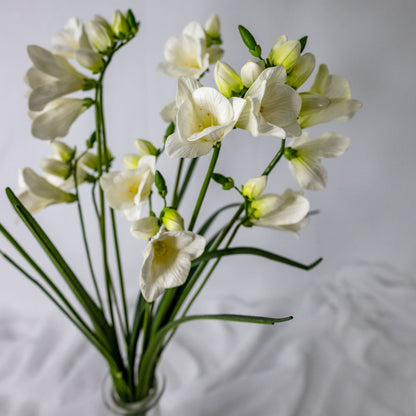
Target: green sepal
{"points": [[161, 184], [91, 141], [303, 41]]}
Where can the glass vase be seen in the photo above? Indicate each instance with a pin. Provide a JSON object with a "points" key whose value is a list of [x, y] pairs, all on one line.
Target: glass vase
{"points": [[149, 406]]}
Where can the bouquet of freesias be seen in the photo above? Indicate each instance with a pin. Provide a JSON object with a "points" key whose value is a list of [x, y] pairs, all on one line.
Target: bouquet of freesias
{"points": [[181, 254]]}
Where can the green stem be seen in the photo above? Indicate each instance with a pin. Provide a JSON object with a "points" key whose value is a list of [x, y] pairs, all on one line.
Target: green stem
{"points": [[188, 176], [205, 185], [178, 177], [276, 159]]}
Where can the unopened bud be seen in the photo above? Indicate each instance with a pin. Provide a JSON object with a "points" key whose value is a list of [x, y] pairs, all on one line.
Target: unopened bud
{"points": [[161, 184], [301, 71], [213, 26], [172, 220], [120, 26], [145, 228], [62, 150], [227, 80], [254, 187], [89, 160], [100, 34], [251, 70], [56, 167], [145, 147], [287, 54], [226, 182]]}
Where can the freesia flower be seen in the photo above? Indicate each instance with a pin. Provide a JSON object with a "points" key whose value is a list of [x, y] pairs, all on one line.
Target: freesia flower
{"points": [[100, 33], [301, 71], [328, 99], [36, 192], [51, 77], [167, 261], [305, 155], [128, 191], [187, 54], [213, 26], [227, 80], [286, 212], [254, 187], [145, 228], [172, 220], [271, 106], [72, 42], [251, 70], [285, 52], [204, 117], [57, 117]]}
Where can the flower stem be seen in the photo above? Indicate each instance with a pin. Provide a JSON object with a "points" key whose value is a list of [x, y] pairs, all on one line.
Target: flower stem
{"points": [[205, 185], [175, 190], [276, 159]]}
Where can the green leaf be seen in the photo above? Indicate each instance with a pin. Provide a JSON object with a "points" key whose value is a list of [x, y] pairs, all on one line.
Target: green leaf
{"points": [[303, 41], [149, 358], [212, 218], [256, 252]]}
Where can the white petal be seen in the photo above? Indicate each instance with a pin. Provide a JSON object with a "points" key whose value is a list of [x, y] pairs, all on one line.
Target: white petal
{"points": [[57, 118], [177, 147], [168, 112], [35, 78], [309, 173], [267, 129], [186, 86], [145, 228], [215, 53], [194, 30], [327, 145], [254, 187], [147, 162], [337, 87], [276, 74]]}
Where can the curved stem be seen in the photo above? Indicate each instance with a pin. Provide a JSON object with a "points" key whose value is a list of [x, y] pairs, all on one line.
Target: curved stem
{"points": [[178, 177]]}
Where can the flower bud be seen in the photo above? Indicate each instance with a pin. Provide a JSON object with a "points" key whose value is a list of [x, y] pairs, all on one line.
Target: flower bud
{"points": [[265, 205], [213, 26], [120, 26], [227, 80], [287, 54], [100, 34], [145, 147], [161, 184], [90, 160], [251, 70], [62, 150], [145, 228], [56, 167], [254, 187], [227, 183], [301, 71], [172, 220], [131, 160]]}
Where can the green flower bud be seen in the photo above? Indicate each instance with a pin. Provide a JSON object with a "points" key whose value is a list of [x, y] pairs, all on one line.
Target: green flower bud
{"points": [[62, 150], [227, 80], [247, 37], [213, 26], [251, 70], [287, 54], [145, 147], [161, 184], [120, 26], [131, 20], [56, 167], [254, 187], [172, 220], [226, 182], [301, 71], [89, 160]]}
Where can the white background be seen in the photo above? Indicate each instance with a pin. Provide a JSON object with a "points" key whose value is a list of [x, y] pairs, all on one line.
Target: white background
{"points": [[367, 210]]}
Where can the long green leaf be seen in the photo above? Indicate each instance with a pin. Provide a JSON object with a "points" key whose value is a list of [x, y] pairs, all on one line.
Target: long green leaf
{"points": [[149, 358], [212, 218], [256, 252]]}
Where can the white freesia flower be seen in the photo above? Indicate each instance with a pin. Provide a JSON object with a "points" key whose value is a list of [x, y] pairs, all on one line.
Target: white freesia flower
{"points": [[37, 192], [128, 191], [51, 77], [145, 228], [187, 54], [227, 80], [301, 71], [213, 26], [254, 187], [57, 117], [204, 117], [72, 42], [167, 261], [271, 106], [286, 212], [251, 70], [328, 99], [305, 155], [285, 52]]}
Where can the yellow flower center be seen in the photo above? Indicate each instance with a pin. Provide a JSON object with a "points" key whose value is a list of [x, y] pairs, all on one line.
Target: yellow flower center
{"points": [[133, 189], [160, 248]]}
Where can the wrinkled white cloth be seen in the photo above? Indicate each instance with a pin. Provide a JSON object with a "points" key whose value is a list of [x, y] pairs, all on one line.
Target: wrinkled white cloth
{"points": [[350, 351]]}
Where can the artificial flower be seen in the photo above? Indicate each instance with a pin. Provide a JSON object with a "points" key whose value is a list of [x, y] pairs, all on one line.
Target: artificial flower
{"points": [[128, 191], [72, 42], [305, 155], [227, 80], [328, 99], [57, 117], [286, 212], [51, 77], [145, 228], [167, 261], [188, 54], [271, 106], [251, 70], [204, 117]]}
